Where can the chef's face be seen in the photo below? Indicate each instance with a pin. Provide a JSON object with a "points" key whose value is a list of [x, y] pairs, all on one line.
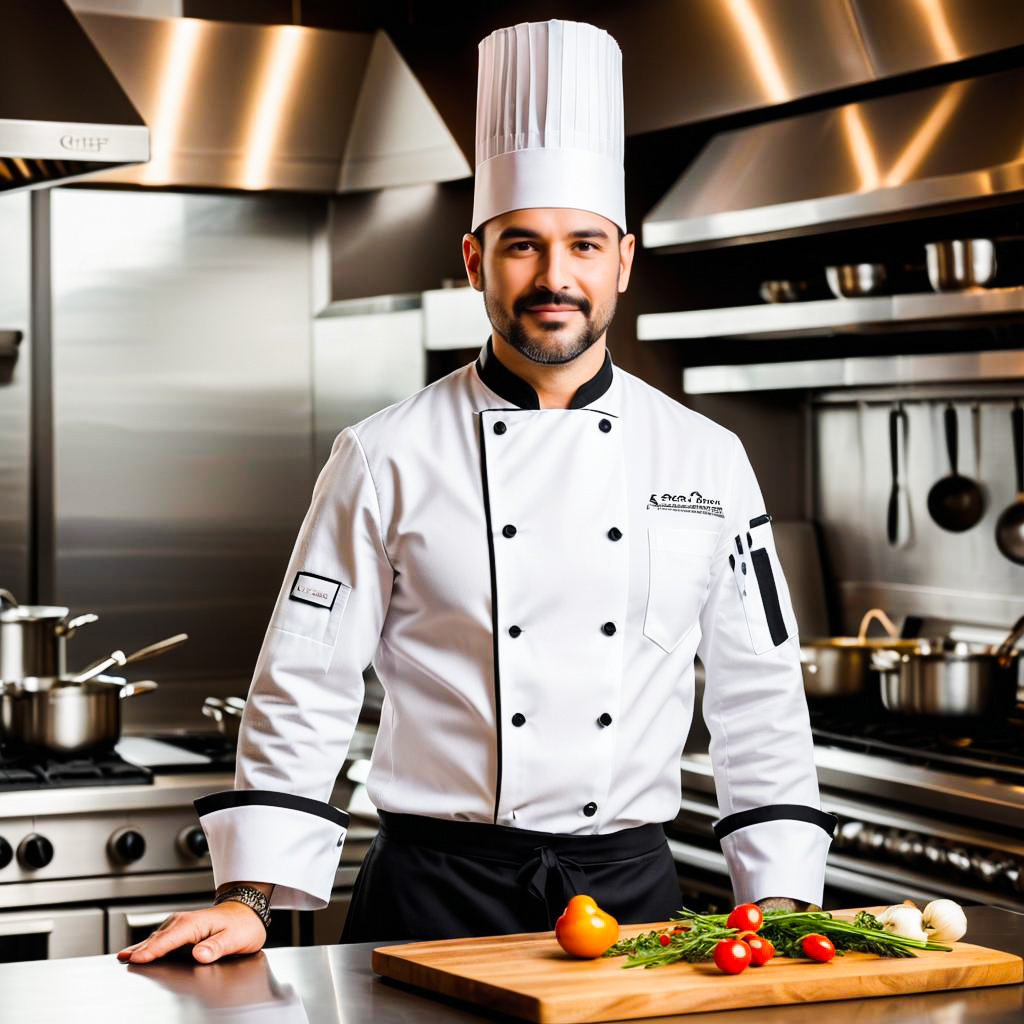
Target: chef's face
{"points": [[550, 278]]}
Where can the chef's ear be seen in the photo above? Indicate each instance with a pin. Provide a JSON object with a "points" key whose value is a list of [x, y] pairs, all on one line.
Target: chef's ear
{"points": [[627, 245], [472, 256]]}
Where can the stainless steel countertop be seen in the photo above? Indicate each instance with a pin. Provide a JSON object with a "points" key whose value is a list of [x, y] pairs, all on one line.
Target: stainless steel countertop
{"points": [[335, 985]]}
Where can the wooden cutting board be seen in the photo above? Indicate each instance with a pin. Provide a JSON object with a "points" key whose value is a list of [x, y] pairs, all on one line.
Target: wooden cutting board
{"points": [[529, 976]]}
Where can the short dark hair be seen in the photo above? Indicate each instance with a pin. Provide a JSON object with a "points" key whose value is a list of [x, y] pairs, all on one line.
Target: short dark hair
{"points": [[479, 235]]}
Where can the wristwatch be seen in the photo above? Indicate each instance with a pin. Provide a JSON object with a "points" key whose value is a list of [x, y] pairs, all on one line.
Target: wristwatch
{"points": [[255, 900]]}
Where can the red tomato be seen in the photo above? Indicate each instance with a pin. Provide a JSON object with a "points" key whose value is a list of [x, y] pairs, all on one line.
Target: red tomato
{"points": [[761, 950], [817, 947], [664, 939], [746, 936], [732, 956], [746, 916]]}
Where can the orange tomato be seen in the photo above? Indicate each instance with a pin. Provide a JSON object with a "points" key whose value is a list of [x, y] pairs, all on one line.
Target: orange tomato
{"points": [[585, 930]]}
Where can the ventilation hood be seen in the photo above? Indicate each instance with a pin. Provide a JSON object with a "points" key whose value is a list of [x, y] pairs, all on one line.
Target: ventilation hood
{"points": [[283, 107], [940, 149], [62, 112]]}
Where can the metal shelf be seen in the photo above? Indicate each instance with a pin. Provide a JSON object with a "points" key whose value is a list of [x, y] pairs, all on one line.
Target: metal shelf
{"points": [[835, 316]]}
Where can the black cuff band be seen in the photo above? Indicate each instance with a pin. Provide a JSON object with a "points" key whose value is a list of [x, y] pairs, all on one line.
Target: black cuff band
{"points": [[775, 812], [268, 798]]}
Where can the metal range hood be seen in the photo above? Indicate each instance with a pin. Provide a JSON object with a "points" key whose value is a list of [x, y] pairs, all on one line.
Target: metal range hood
{"points": [[939, 149], [273, 107], [62, 112]]}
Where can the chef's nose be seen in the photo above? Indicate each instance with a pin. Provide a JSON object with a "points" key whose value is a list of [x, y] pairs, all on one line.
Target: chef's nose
{"points": [[553, 271]]}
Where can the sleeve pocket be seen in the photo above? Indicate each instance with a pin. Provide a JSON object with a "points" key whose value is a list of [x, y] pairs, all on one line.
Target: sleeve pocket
{"points": [[312, 622], [762, 587], [680, 569]]}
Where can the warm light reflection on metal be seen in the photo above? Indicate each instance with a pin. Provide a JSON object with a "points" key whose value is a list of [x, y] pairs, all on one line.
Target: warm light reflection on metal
{"points": [[938, 26], [759, 49], [5, 171], [174, 77], [924, 138], [861, 150], [22, 167], [278, 80]]}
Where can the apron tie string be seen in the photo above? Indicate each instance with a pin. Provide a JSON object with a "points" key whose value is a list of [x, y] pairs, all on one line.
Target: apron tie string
{"points": [[553, 880]]}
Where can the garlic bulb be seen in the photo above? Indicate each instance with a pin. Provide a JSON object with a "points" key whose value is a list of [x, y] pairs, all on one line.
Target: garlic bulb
{"points": [[945, 921], [903, 921]]}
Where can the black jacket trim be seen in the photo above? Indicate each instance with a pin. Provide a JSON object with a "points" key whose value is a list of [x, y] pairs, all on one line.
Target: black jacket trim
{"points": [[502, 381], [775, 812], [268, 798]]}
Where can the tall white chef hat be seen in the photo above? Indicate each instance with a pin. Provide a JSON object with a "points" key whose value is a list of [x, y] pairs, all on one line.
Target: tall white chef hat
{"points": [[549, 129]]}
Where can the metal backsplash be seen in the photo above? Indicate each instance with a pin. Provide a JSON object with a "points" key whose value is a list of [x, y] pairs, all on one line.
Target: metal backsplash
{"points": [[960, 577], [183, 413]]}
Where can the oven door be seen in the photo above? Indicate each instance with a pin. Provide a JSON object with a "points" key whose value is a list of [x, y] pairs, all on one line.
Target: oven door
{"points": [[45, 934], [128, 923]]}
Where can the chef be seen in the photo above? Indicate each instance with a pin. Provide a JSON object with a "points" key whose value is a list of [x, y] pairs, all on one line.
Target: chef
{"points": [[531, 552]]}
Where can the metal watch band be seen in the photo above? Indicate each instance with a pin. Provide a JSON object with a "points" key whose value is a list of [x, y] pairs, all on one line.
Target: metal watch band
{"points": [[251, 897]]}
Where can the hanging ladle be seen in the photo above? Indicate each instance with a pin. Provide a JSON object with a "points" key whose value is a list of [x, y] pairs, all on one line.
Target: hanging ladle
{"points": [[121, 659], [955, 502], [1010, 525]]}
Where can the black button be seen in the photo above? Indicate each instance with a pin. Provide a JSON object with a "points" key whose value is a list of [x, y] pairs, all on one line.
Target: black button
{"points": [[499, 427], [615, 533], [608, 629], [518, 719], [590, 809], [514, 631], [605, 719], [508, 531], [605, 425]]}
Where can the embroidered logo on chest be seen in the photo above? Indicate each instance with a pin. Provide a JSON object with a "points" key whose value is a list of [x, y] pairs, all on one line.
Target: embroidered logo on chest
{"points": [[694, 502]]}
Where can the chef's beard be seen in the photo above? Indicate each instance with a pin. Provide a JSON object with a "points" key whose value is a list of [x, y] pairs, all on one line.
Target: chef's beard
{"points": [[563, 347]]}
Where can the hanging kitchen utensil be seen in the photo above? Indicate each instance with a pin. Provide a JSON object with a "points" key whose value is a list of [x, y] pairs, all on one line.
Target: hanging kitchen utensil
{"points": [[955, 502], [898, 512], [121, 659], [1010, 525]]}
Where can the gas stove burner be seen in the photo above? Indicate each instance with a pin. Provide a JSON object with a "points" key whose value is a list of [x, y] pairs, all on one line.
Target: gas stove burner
{"points": [[992, 747], [31, 771]]}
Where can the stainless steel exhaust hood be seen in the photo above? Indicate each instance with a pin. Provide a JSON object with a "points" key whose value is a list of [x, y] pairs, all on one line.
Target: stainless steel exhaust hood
{"points": [[943, 148], [273, 107], [62, 112]]}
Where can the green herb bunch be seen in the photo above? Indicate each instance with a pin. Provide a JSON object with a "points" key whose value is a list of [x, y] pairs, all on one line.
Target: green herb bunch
{"points": [[783, 929]]}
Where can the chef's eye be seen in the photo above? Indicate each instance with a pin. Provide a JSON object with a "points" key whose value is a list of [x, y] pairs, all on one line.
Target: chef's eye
{"points": [[518, 246], [589, 246]]}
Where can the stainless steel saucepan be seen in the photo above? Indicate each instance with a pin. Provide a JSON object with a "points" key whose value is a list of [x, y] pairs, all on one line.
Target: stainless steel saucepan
{"points": [[63, 717], [33, 638], [951, 679]]}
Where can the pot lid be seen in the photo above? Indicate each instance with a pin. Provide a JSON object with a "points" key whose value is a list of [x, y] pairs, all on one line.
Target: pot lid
{"points": [[33, 613]]}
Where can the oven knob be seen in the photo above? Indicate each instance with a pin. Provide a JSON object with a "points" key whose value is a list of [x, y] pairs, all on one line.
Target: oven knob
{"points": [[35, 851], [193, 843], [6, 853], [126, 846]]}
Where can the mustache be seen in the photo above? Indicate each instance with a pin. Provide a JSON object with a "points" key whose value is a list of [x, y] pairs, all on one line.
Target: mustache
{"points": [[551, 299]]}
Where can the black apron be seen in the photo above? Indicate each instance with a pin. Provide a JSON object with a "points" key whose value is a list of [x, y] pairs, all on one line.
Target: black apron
{"points": [[427, 878]]}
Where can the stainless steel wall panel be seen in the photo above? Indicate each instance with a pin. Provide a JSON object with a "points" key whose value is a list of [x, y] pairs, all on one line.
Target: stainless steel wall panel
{"points": [[15, 390], [183, 414]]}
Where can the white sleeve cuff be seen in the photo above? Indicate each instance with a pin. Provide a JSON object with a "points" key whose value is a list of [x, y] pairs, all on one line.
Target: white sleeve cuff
{"points": [[777, 850], [292, 842]]}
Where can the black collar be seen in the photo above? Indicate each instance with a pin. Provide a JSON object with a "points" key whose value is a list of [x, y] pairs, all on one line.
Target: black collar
{"points": [[502, 381]]}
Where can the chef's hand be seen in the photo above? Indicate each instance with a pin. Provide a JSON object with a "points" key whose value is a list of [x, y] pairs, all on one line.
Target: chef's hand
{"points": [[217, 931]]}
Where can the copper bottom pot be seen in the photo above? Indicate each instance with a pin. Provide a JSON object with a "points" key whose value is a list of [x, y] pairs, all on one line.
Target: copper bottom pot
{"points": [[62, 717]]}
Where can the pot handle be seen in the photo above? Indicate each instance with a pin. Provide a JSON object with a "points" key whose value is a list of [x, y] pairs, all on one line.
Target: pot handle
{"points": [[887, 624], [1004, 653], [134, 689], [68, 626], [6, 597]]}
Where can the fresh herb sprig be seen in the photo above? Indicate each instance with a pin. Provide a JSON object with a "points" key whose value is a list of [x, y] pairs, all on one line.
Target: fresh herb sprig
{"points": [[784, 929]]}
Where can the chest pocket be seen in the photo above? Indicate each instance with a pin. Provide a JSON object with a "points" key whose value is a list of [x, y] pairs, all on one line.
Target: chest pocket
{"points": [[680, 569], [311, 614]]}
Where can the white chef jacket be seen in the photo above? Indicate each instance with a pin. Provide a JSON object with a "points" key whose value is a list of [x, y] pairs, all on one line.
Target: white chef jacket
{"points": [[531, 586]]}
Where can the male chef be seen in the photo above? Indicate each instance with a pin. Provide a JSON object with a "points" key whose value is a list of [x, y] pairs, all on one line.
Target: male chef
{"points": [[531, 552]]}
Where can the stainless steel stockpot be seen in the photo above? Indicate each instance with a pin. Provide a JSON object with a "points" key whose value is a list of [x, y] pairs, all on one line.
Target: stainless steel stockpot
{"points": [[63, 717], [841, 666], [951, 679], [33, 638]]}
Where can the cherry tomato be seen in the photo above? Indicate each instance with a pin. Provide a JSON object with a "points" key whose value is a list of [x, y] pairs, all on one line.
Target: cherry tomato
{"points": [[817, 947], [761, 950], [664, 940], [746, 936], [732, 956], [746, 916]]}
